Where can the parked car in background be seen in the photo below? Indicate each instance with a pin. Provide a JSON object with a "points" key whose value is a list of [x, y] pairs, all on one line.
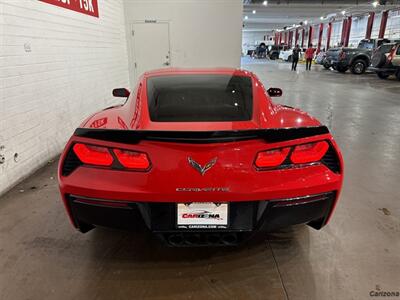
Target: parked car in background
{"points": [[286, 55], [248, 48], [273, 51], [320, 57], [260, 51], [356, 59], [386, 60]]}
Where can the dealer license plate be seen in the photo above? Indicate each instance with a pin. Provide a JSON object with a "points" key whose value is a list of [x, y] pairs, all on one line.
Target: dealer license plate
{"points": [[202, 215]]}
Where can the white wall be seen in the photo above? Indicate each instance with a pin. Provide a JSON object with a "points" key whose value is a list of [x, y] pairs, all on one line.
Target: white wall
{"points": [[336, 34], [358, 30], [376, 26], [56, 67], [393, 25], [204, 33]]}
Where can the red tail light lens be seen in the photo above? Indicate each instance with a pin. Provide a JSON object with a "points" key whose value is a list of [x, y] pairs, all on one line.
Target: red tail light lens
{"points": [[93, 155], [342, 55], [309, 152], [392, 53], [271, 158], [132, 159]]}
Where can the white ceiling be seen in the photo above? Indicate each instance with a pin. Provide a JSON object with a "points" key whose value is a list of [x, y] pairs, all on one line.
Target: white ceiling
{"points": [[278, 14]]}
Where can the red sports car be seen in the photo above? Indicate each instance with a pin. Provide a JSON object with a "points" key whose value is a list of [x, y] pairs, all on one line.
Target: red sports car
{"points": [[200, 157]]}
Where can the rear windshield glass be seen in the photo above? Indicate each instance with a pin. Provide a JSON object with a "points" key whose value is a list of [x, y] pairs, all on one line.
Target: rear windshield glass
{"points": [[366, 45], [200, 98], [386, 48]]}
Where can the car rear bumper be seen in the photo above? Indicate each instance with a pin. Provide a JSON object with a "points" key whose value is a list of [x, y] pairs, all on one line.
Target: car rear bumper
{"points": [[391, 70], [338, 63], [245, 218]]}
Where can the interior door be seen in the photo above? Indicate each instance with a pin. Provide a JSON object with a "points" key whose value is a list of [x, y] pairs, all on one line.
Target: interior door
{"points": [[150, 47]]}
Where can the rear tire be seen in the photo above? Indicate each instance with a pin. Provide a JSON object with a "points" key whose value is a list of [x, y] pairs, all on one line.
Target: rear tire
{"points": [[358, 67], [341, 69], [326, 65], [382, 75]]}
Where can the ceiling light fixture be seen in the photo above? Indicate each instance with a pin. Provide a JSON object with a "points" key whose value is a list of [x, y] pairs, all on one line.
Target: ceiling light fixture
{"points": [[246, 17], [254, 12], [375, 3], [321, 18], [343, 12], [305, 22], [265, 3]]}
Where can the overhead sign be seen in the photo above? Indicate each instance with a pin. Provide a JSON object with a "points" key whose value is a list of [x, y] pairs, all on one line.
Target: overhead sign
{"points": [[88, 7]]}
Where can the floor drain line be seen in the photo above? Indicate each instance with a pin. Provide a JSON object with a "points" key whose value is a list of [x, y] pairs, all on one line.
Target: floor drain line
{"points": [[279, 272]]}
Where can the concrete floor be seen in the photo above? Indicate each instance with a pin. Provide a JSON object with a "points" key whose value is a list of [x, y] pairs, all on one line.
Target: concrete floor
{"points": [[42, 257]]}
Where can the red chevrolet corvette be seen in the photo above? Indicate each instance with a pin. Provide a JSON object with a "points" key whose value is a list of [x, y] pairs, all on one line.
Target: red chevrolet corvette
{"points": [[200, 157]]}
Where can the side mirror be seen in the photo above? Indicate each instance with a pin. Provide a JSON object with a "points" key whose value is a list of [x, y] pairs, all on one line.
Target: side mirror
{"points": [[274, 92], [121, 92]]}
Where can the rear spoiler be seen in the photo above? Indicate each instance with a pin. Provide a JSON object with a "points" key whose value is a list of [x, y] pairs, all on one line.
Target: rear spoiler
{"points": [[201, 137]]}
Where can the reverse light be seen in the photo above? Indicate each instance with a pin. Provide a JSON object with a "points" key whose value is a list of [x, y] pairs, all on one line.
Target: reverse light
{"points": [[132, 159], [271, 158], [310, 152], [93, 155]]}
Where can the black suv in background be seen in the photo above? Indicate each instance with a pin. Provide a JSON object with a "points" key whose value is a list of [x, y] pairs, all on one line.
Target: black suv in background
{"points": [[356, 59], [386, 60]]}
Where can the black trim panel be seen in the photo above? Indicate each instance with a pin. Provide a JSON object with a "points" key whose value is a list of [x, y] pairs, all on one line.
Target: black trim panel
{"points": [[245, 217], [135, 136]]}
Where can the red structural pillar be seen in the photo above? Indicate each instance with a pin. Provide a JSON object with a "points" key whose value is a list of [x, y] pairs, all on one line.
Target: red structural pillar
{"points": [[286, 37], [383, 24], [321, 31], [290, 39], [296, 37], [348, 29], [280, 37], [302, 37], [344, 28], [328, 36], [310, 36], [370, 23]]}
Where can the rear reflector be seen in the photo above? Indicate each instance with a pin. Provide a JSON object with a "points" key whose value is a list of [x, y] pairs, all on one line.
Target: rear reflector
{"points": [[307, 153], [271, 158], [93, 155], [132, 159]]}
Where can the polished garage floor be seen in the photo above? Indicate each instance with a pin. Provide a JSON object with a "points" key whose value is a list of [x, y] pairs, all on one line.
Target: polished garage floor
{"points": [[42, 257]]}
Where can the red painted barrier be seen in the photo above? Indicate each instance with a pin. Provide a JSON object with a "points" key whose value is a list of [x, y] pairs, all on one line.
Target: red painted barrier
{"points": [[328, 38], [321, 31], [370, 23], [383, 24]]}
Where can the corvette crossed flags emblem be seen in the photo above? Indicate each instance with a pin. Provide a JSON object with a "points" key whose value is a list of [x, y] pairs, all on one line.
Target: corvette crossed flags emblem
{"points": [[199, 168]]}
